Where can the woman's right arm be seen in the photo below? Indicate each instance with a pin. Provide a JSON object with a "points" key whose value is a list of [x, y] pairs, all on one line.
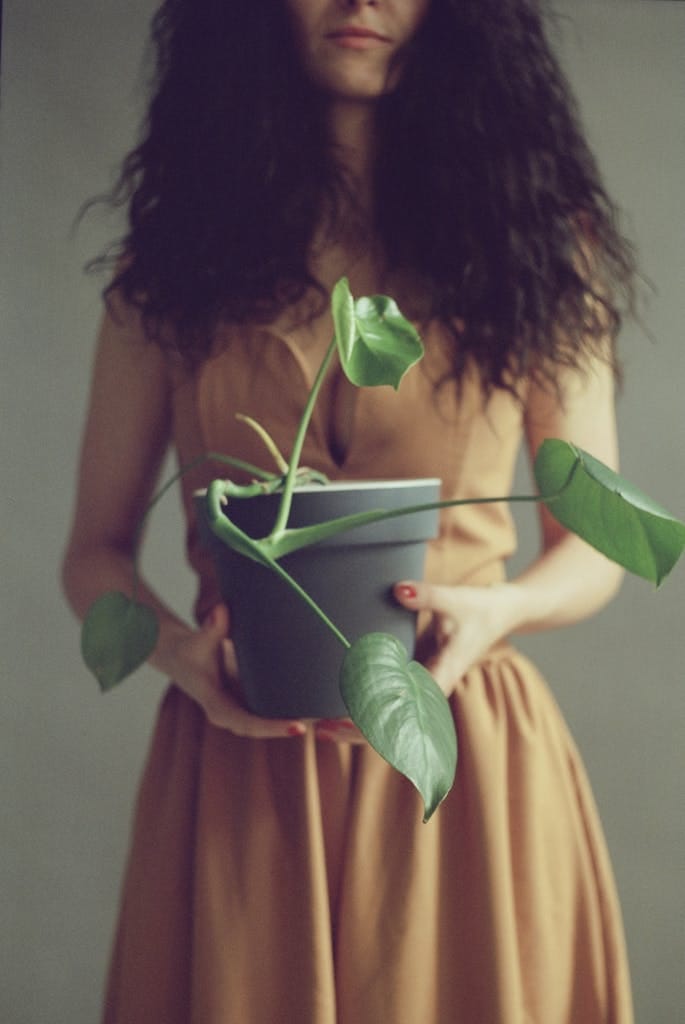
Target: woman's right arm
{"points": [[126, 435]]}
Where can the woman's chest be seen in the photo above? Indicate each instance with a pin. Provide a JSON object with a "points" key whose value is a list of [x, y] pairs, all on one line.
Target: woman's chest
{"points": [[422, 429]]}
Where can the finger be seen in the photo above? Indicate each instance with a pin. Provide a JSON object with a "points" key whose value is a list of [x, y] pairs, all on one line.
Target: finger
{"points": [[445, 671], [431, 596], [339, 730], [226, 712], [229, 659], [215, 625]]}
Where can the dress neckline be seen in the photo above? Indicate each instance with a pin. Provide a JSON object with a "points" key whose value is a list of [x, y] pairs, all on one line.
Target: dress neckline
{"points": [[337, 395], [319, 428]]}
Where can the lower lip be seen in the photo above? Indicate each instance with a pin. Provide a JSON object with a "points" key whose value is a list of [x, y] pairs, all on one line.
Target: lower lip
{"points": [[358, 42]]}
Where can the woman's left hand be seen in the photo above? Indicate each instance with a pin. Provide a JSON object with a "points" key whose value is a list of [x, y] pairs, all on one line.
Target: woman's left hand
{"points": [[466, 622]]}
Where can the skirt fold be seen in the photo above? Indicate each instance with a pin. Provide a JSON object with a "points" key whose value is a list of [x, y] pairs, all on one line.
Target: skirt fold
{"points": [[293, 882]]}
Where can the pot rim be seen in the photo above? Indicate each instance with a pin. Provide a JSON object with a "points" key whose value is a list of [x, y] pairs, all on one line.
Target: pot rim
{"points": [[353, 485]]}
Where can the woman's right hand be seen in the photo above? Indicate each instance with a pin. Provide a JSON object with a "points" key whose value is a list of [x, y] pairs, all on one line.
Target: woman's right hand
{"points": [[203, 665]]}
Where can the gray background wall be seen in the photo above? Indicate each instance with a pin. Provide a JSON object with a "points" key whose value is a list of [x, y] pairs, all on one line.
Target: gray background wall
{"points": [[69, 758]]}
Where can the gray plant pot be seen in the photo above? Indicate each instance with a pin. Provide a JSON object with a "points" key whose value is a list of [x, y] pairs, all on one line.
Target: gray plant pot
{"points": [[289, 661]]}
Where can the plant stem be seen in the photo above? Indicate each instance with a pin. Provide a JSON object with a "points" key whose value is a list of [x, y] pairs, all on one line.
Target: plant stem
{"points": [[302, 536], [267, 441], [287, 578], [255, 471], [287, 496], [245, 546]]}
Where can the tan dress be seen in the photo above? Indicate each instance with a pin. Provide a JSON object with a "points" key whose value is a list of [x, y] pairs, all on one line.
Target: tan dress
{"points": [[292, 882]]}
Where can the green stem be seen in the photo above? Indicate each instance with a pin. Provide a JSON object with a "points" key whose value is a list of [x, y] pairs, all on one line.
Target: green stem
{"points": [[287, 496], [300, 537], [295, 538], [173, 479], [267, 440], [246, 546], [287, 578], [247, 467]]}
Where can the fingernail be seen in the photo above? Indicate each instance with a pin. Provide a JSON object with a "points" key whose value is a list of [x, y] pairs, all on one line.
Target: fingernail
{"points": [[296, 730], [407, 591], [321, 735]]}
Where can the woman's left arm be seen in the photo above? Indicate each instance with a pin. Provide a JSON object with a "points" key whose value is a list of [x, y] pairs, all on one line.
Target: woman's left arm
{"points": [[569, 580]]}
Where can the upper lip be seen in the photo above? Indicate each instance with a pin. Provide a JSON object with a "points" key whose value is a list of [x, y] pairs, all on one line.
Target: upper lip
{"points": [[357, 30]]}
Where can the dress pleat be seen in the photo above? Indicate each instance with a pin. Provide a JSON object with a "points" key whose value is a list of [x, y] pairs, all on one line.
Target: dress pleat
{"points": [[293, 881]]}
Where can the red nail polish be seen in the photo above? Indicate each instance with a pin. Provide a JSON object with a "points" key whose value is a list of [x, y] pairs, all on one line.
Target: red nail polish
{"points": [[330, 724], [295, 730], [407, 591]]}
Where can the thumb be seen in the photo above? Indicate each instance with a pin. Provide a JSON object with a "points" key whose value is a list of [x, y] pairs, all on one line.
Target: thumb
{"points": [[214, 631], [215, 626]]}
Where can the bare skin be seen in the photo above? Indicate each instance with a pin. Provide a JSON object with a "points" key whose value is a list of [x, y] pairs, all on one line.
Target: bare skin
{"points": [[131, 388], [352, 49]]}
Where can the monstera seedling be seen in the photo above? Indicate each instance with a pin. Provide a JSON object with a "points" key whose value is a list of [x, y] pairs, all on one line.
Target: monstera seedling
{"points": [[392, 699]]}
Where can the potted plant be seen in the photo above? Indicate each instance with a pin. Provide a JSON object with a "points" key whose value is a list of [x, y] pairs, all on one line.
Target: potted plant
{"points": [[392, 699], [347, 575]]}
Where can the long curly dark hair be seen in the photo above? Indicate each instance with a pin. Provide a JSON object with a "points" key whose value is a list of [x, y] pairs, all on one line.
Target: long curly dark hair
{"points": [[486, 190]]}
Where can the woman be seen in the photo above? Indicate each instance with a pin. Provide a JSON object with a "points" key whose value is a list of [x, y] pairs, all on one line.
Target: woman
{"points": [[427, 149]]}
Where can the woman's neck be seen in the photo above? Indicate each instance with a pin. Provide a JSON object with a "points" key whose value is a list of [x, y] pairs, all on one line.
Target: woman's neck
{"points": [[352, 127], [346, 246]]}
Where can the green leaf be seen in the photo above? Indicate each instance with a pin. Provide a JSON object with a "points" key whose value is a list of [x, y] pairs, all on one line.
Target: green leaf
{"points": [[607, 511], [376, 343], [117, 636], [403, 714], [342, 310]]}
